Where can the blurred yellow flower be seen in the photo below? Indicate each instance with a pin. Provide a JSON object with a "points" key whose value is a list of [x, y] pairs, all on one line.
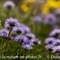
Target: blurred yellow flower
{"points": [[45, 10], [30, 1], [24, 8], [26, 5], [50, 4]]}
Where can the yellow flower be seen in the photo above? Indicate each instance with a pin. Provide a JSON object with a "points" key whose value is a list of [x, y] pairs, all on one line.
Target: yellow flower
{"points": [[45, 10], [26, 5], [30, 1], [24, 8], [50, 4]]}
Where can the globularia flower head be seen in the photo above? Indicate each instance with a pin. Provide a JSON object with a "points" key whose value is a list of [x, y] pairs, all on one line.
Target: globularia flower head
{"points": [[29, 42], [11, 22], [36, 41], [49, 47], [30, 36], [50, 20], [27, 46], [56, 50], [37, 19], [18, 29], [27, 29], [20, 38], [9, 5], [57, 42], [22, 28], [50, 40], [57, 12], [55, 33], [20, 25], [4, 33]]}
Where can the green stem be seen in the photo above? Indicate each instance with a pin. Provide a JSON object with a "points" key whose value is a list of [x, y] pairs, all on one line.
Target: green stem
{"points": [[45, 52], [7, 41], [25, 55], [19, 53], [8, 13], [50, 55]]}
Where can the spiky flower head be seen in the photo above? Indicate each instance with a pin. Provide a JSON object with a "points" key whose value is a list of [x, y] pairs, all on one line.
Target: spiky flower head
{"points": [[30, 36], [57, 42], [36, 41], [50, 40], [21, 28], [11, 22], [49, 47], [27, 47], [55, 33], [50, 19], [4, 33], [18, 30], [56, 50], [57, 12], [20, 38]]}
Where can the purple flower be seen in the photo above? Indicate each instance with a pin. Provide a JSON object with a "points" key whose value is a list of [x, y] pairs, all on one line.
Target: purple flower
{"points": [[29, 42], [57, 12], [20, 38], [27, 29], [27, 47], [11, 22], [9, 5], [30, 36], [55, 33], [50, 40], [7, 26], [18, 29], [56, 50], [57, 42], [36, 41], [20, 25], [37, 19], [50, 19], [49, 47], [4, 33], [21, 28]]}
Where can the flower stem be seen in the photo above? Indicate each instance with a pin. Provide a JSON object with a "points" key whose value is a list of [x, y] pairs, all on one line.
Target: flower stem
{"points": [[7, 41], [50, 55], [25, 54]]}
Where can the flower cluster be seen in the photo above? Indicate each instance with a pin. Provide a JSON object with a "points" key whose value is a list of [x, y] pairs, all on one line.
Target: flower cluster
{"points": [[53, 41], [51, 19], [23, 33]]}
